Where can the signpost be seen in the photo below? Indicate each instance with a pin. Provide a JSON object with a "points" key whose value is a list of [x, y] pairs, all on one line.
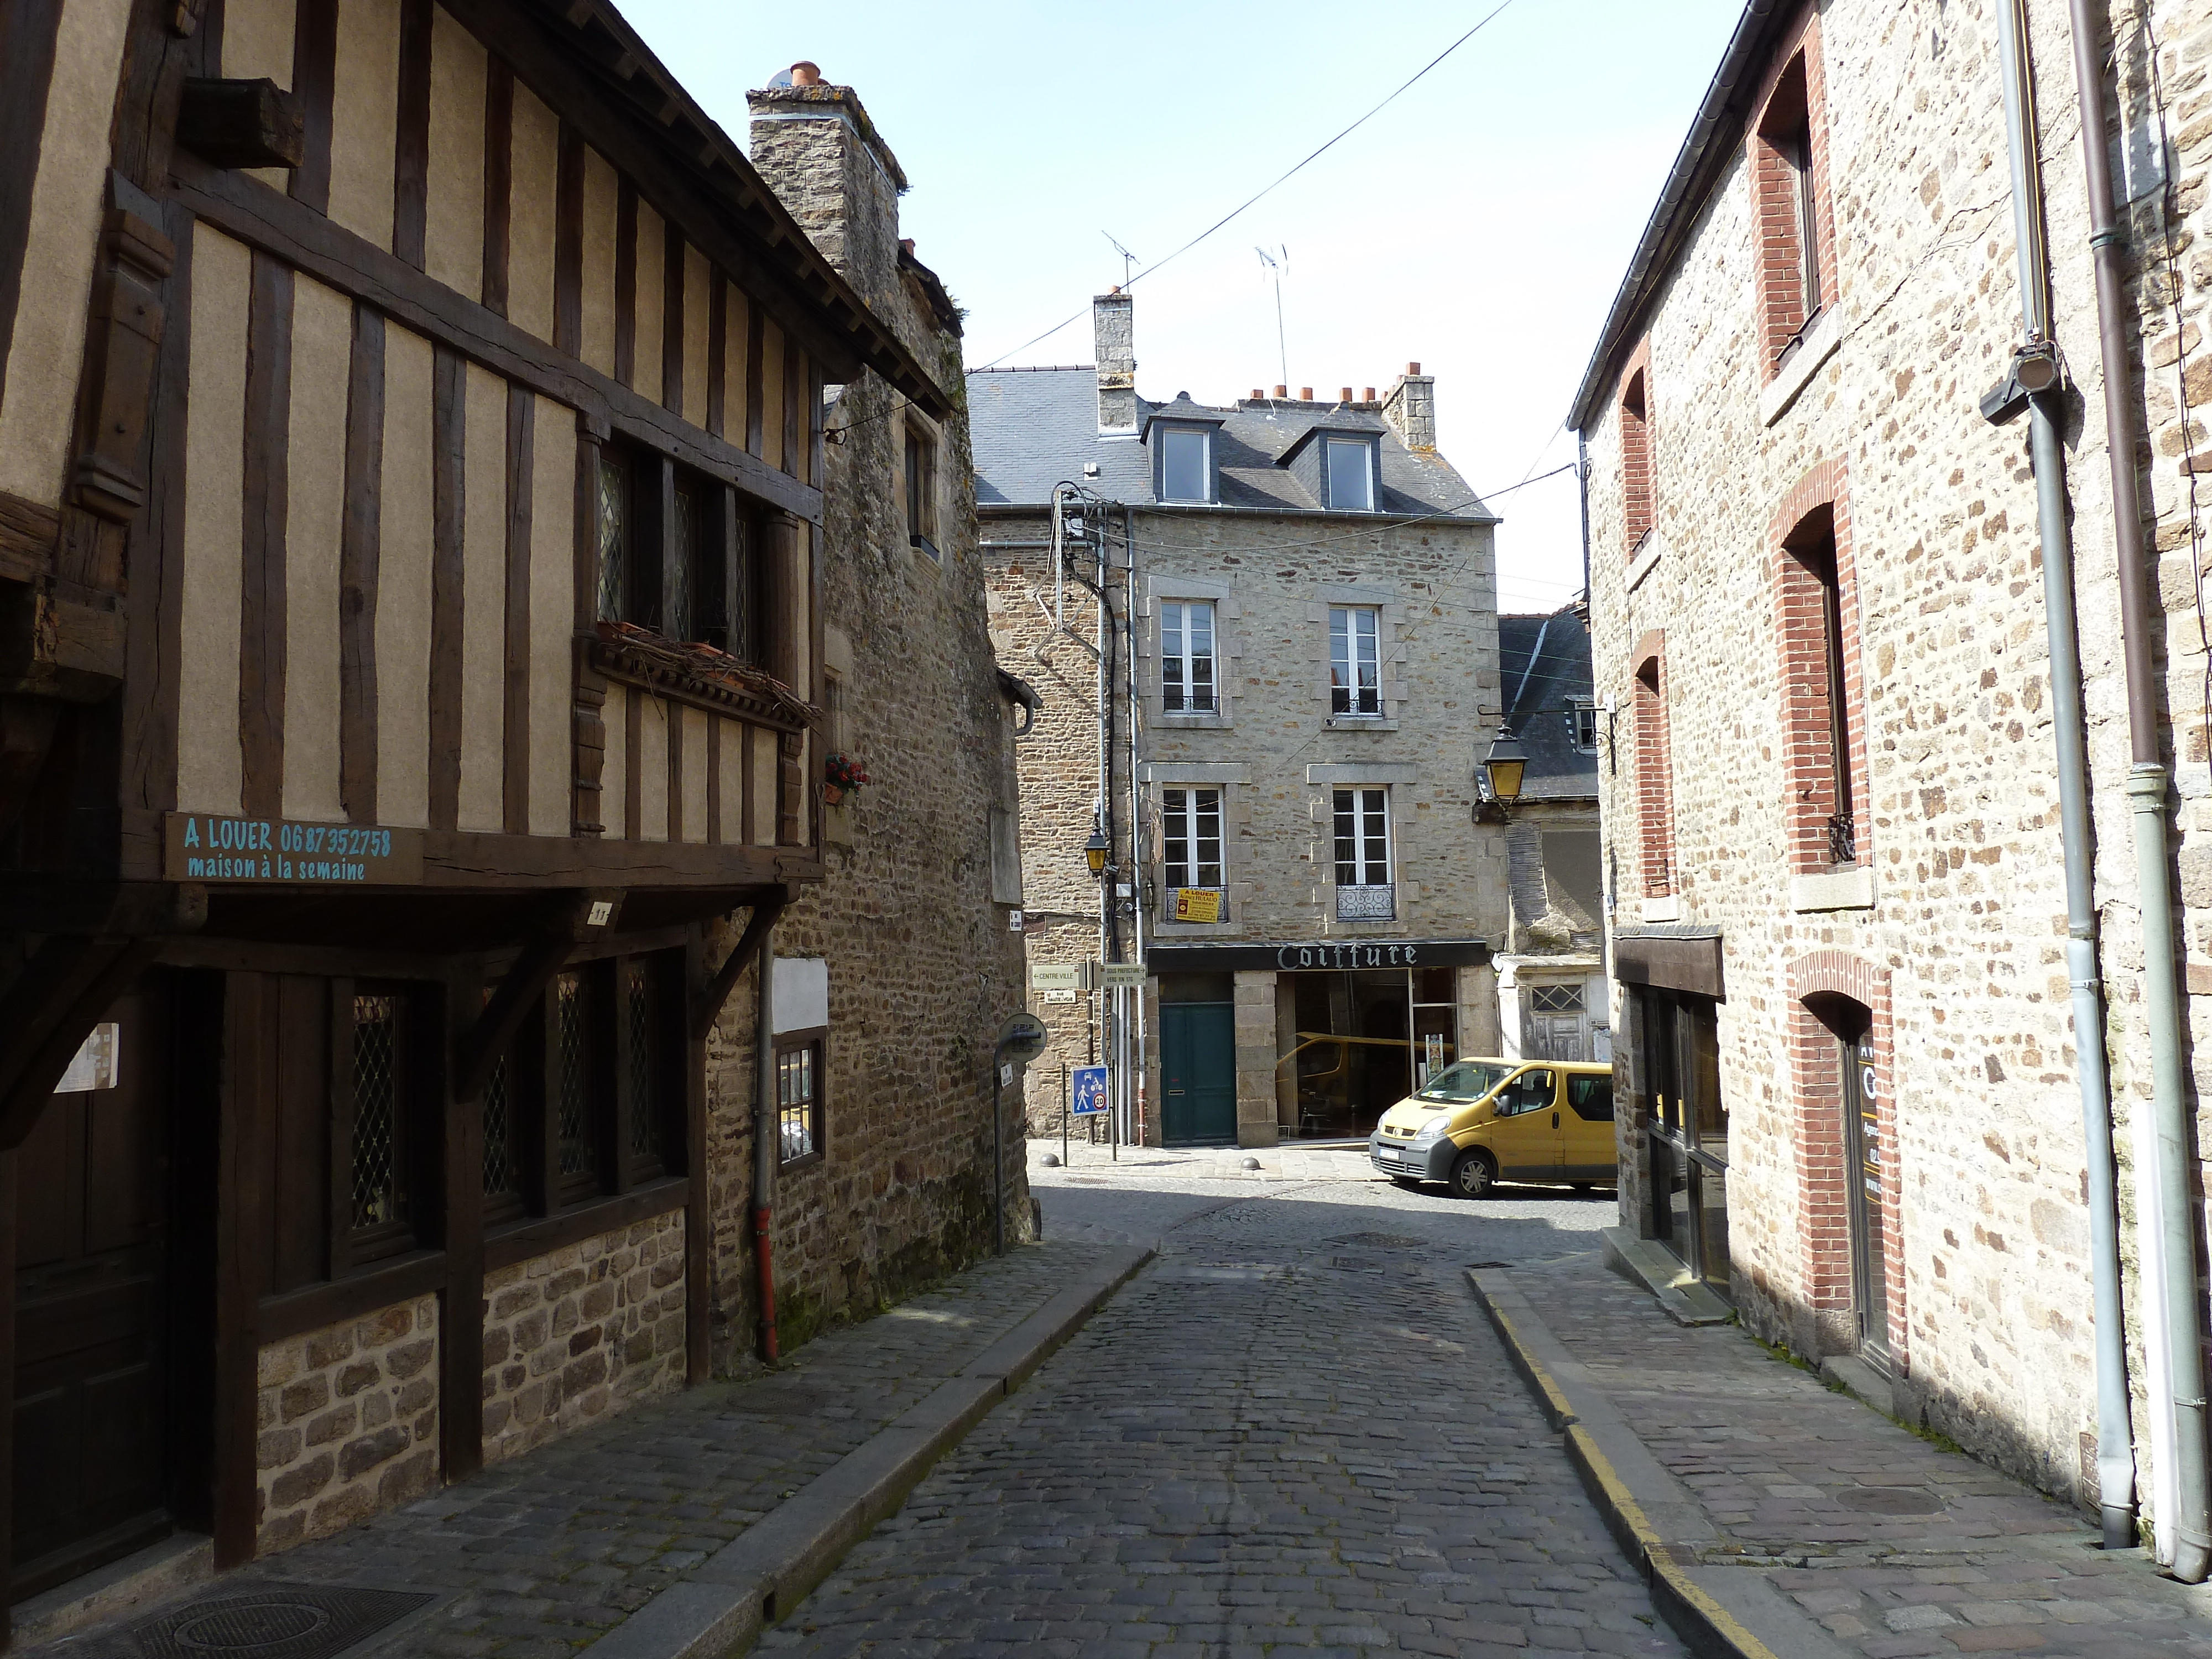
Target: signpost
{"points": [[1123, 975], [1089, 1090], [1021, 1040]]}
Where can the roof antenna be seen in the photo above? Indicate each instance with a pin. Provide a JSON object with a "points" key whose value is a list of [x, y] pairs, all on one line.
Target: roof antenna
{"points": [[1276, 267], [1127, 257]]}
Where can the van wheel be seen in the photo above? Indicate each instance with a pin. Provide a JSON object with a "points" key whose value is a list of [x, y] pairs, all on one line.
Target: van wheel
{"points": [[1472, 1175]]}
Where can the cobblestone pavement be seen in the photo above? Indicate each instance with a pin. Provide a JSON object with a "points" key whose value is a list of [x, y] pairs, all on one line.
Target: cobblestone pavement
{"points": [[1294, 1432], [1898, 1547], [547, 1551]]}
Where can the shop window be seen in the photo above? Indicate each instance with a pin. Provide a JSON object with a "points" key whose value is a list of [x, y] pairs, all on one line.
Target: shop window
{"points": [[1355, 661], [378, 1146], [798, 1099], [1186, 672]]}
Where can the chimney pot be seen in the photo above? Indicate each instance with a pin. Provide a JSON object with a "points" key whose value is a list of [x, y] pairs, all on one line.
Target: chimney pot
{"points": [[1412, 369], [1345, 397], [1367, 394], [806, 75], [1305, 394], [1257, 394], [1282, 392]]}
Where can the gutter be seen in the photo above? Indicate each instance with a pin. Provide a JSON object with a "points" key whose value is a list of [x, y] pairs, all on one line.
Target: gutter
{"points": [[1695, 168]]}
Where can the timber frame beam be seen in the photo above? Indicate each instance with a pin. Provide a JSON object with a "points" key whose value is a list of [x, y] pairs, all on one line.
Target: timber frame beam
{"points": [[706, 1007], [576, 920]]}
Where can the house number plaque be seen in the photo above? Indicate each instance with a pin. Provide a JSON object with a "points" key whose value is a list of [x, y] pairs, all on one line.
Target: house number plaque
{"points": [[217, 846]]}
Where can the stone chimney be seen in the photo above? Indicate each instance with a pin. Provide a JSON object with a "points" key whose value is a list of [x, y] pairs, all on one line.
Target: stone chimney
{"points": [[817, 148], [1410, 406], [1114, 349]]}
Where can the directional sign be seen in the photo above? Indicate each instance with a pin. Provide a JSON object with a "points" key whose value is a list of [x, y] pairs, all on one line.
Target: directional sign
{"points": [[1056, 976], [1089, 1091], [1022, 1038], [1116, 976]]}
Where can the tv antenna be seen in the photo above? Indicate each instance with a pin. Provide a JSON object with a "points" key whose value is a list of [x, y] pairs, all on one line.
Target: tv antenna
{"points": [[1127, 257], [1275, 269]]}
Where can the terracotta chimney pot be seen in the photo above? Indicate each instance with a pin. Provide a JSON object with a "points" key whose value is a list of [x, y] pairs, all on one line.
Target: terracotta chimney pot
{"points": [[1344, 396], [1305, 394], [1282, 392], [1412, 369], [1257, 394], [1367, 394], [806, 75]]}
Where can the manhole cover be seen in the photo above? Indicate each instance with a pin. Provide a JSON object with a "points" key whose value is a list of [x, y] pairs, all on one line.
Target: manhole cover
{"points": [[1890, 1500], [278, 1621], [1380, 1241]]}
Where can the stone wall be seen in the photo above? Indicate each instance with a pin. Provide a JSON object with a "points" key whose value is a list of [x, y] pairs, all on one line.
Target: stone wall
{"points": [[923, 964], [578, 1334], [348, 1422], [1962, 914]]}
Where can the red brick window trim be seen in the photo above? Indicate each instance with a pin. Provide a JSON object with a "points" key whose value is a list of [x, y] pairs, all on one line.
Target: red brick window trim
{"points": [[1794, 218], [1635, 458], [1655, 791], [1833, 996], [1823, 697]]}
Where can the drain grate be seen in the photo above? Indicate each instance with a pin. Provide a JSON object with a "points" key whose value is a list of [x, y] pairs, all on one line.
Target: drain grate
{"points": [[276, 1621], [1382, 1241]]}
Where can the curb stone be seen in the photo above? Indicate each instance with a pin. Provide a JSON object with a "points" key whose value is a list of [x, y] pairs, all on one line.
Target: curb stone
{"points": [[721, 1606], [1720, 1612]]}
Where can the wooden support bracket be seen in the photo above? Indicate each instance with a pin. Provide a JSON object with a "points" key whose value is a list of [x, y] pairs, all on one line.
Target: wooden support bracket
{"points": [[577, 919], [708, 1007], [61, 992]]}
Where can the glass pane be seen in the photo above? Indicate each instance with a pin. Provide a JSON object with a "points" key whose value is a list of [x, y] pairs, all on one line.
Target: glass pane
{"points": [[499, 1164], [614, 533], [377, 1198], [1173, 645], [795, 1094], [742, 643], [580, 1154], [1183, 466], [675, 613], [1702, 1033], [1350, 481]]}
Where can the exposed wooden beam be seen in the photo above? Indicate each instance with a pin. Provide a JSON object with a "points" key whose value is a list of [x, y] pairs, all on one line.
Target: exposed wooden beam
{"points": [[706, 1007], [574, 918]]}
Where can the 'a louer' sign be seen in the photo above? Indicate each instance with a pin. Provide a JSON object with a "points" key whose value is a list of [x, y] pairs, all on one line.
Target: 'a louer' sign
{"points": [[218, 846]]}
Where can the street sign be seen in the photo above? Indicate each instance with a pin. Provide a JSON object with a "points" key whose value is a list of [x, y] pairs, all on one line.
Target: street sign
{"points": [[1022, 1039], [1089, 1091], [1123, 975], [1056, 976]]}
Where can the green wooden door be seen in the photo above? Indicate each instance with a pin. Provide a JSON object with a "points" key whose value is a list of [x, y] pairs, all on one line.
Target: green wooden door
{"points": [[1197, 1074]]}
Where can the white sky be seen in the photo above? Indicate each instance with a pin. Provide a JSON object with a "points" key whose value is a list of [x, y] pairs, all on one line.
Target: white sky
{"points": [[1479, 225]]}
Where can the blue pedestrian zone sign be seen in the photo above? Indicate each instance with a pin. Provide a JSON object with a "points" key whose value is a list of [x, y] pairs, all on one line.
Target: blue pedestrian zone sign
{"points": [[1089, 1091]]}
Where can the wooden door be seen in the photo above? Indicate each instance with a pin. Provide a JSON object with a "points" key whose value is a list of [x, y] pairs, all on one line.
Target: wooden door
{"points": [[91, 1403], [1197, 1074]]}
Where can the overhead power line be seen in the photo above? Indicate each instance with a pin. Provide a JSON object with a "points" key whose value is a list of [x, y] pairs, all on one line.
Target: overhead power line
{"points": [[1404, 87]]}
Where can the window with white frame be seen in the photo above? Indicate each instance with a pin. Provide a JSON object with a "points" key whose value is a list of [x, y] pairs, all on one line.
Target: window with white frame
{"points": [[1581, 720], [1350, 474], [1355, 660], [1186, 658], [1190, 837], [1186, 473], [1362, 838]]}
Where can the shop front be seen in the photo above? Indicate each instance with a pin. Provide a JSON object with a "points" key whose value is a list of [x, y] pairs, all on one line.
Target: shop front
{"points": [[1261, 1043], [1673, 982]]}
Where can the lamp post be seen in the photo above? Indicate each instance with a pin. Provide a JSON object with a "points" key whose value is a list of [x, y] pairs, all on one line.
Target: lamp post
{"points": [[1095, 850], [1503, 769]]}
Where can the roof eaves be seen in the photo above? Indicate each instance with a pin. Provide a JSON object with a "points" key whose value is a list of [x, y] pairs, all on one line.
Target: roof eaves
{"points": [[628, 73], [1697, 166]]}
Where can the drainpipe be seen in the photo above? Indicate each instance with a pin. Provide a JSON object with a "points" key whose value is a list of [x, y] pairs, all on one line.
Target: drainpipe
{"points": [[765, 1143], [2147, 798]]}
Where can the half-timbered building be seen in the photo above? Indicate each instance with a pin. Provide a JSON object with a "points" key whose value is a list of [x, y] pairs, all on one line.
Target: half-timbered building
{"points": [[412, 723]]}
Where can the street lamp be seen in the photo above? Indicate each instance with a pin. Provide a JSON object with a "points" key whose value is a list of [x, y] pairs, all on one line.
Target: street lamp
{"points": [[1503, 768], [1096, 849]]}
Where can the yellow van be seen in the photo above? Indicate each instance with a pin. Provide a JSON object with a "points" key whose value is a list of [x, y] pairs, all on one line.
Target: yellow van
{"points": [[1481, 1122]]}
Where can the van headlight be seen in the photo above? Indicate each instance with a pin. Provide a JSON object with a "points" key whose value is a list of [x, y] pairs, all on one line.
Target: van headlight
{"points": [[1433, 1130]]}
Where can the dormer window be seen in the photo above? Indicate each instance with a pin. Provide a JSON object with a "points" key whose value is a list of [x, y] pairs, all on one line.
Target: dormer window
{"points": [[1350, 474], [1186, 464]]}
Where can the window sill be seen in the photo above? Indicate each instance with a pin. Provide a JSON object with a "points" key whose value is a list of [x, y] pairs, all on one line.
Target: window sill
{"points": [[923, 544], [1668, 908], [1848, 889], [1359, 723], [1649, 552], [1195, 722], [1815, 349]]}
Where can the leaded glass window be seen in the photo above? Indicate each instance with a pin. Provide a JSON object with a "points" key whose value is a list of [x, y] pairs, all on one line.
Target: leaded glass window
{"points": [[379, 1194], [615, 522], [578, 1146], [646, 1109], [502, 1170], [676, 610]]}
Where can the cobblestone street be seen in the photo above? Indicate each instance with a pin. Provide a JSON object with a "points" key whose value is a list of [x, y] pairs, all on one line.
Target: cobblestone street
{"points": [[1294, 1432]]}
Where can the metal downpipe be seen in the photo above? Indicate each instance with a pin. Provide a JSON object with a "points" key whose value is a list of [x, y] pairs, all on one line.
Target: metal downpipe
{"points": [[2115, 1459]]}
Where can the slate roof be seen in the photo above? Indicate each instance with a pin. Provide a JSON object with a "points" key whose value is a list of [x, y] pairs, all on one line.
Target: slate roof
{"points": [[1545, 663], [1034, 427]]}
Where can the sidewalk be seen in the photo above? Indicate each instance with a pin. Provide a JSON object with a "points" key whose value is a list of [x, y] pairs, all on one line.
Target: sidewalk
{"points": [[1777, 1516], [676, 1528]]}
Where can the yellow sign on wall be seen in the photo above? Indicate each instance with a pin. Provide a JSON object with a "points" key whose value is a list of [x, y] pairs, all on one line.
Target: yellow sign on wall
{"points": [[1197, 904]]}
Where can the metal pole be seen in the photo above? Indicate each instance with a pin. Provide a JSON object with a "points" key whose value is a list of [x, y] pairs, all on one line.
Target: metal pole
{"points": [[998, 1150], [1065, 1103], [765, 1128]]}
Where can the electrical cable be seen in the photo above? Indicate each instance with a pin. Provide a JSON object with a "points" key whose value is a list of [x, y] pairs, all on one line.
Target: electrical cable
{"points": [[1226, 218]]}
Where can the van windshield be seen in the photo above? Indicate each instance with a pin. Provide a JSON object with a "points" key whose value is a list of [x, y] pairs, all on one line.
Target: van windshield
{"points": [[1470, 1079]]}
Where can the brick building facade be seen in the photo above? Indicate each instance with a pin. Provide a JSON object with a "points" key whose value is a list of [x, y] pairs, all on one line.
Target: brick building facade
{"points": [[1301, 668], [1835, 872]]}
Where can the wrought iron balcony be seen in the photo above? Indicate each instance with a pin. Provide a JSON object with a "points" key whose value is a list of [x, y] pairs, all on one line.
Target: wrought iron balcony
{"points": [[1367, 903], [1843, 840]]}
